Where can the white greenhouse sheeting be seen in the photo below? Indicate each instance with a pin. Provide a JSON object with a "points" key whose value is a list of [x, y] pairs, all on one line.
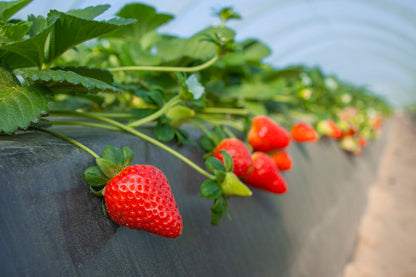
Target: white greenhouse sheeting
{"points": [[368, 42]]}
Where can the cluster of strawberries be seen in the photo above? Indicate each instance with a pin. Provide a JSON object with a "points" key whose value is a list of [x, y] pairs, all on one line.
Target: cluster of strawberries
{"points": [[260, 168]]}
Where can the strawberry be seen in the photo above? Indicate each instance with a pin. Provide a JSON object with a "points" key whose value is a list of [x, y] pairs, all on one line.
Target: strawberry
{"points": [[362, 141], [266, 135], [328, 128], [138, 196], [282, 159], [242, 162], [266, 175], [303, 132], [336, 132]]}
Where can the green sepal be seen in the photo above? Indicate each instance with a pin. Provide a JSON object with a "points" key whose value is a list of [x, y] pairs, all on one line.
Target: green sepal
{"points": [[95, 177], [206, 143], [232, 186], [97, 192], [164, 132], [217, 210], [214, 164], [210, 189], [220, 175], [228, 161], [109, 168], [128, 156], [114, 155]]}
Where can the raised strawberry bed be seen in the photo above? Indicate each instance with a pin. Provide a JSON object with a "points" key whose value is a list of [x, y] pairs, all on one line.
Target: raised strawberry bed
{"points": [[53, 225]]}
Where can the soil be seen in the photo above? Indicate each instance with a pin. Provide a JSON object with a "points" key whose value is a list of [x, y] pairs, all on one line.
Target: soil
{"points": [[386, 244]]}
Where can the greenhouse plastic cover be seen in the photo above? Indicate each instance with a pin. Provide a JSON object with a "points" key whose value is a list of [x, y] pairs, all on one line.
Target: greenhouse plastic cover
{"points": [[371, 43]]}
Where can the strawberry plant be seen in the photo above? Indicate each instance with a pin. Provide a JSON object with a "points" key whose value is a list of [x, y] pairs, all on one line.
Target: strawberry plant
{"points": [[122, 74]]}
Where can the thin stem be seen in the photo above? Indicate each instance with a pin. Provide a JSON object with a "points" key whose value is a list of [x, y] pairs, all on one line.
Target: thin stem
{"points": [[80, 145], [166, 68], [173, 101], [138, 134], [115, 115], [88, 124], [234, 124], [225, 111], [204, 130]]}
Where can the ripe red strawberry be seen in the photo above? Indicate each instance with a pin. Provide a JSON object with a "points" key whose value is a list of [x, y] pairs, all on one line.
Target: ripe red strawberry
{"points": [[243, 163], [140, 198], [282, 160], [362, 141], [336, 132], [303, 132], [352, 131], [265, 175], [266, 135]]}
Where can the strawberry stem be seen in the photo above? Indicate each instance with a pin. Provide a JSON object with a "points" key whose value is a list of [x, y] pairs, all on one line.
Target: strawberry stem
{"points": [[216, 110], [172, 102], [80, 145], [136, 133], [167, 68]]}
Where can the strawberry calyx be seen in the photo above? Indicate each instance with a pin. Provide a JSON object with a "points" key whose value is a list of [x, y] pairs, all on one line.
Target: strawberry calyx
{"points": [[225, 185], [113, 161]]}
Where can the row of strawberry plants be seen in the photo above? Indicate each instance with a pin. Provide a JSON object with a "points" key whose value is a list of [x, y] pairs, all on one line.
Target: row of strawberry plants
{"points": [[122, 74]]}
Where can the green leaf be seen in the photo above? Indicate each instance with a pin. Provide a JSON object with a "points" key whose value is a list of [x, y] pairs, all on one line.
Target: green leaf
{"points": [[156, 97], [132, 53], [27, 52], [147, 20], [70, 30], [206, 143], [39, 23], [13, 32], [195, 87], [213, 164], [108, 168], [128, 156], [19, 106], [164, 132], [95, 177], [228, 161], [95, 73], [114, 155], [255, 50], [210, 189], [141, 113], [89, 13], [8, 9], [66, 81], [220, 176]]}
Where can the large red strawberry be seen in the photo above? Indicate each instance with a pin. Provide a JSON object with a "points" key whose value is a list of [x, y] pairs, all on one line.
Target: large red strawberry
{"points": [[138, 197], [266, 135], [282, 159], [243, 163], [304, 132], [265, 175]]}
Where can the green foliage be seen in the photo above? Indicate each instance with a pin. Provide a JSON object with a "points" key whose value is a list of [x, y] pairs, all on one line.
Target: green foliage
{"points": [[8, 9], [20, 105]]}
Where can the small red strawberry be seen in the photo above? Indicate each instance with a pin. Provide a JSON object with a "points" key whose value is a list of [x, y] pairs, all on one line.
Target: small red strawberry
{"points": [[138, 197], [362, 141], [352, 131], [303, 132], [282, 159], [265, 175], [266, 135], [336, 132], [242, 161]]}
